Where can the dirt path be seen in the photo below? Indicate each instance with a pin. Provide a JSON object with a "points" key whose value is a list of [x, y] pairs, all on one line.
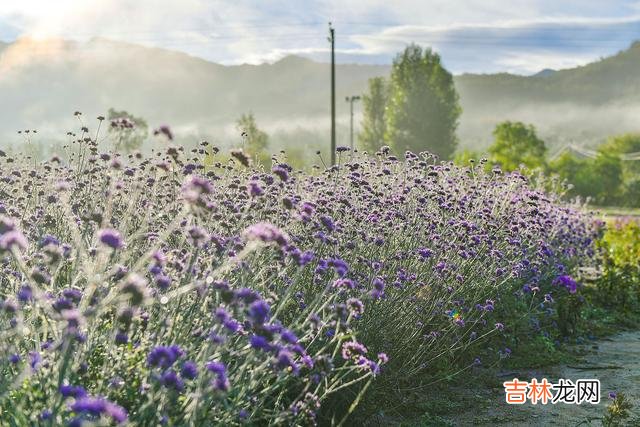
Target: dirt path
{"points": [[615, 361]]}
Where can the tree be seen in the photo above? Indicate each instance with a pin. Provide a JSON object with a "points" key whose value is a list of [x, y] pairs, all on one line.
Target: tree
{"points": [[422, 110], [517, 144], [374, 103], [625, 144], [128, 131], [466, 157], [255, 141], [606, 177], [620, 145], [599, 178]]}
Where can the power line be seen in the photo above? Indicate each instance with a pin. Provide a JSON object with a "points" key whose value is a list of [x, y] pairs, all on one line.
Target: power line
{"points": [[594, 154]]}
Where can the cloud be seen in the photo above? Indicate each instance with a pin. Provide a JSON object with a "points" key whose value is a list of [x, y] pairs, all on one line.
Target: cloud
{"points": [[527, 63], [522, 46], [471, 35]]}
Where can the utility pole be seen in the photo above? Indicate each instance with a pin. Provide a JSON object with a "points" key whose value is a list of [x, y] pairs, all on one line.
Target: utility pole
{"points": [[332, 39], [351, 99]]}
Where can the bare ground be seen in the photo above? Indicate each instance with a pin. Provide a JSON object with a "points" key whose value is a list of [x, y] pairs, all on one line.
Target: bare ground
{"points": [[615, 361]]}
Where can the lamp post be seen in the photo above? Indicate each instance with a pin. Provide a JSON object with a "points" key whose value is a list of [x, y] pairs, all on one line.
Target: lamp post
{"points": [[351, 99]]}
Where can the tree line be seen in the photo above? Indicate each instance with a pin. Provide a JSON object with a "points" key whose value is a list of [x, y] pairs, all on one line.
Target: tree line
{"points": [[417, 109]]}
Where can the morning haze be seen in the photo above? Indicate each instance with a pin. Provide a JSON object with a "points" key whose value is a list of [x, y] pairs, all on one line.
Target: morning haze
{"points": [[43, 81]]}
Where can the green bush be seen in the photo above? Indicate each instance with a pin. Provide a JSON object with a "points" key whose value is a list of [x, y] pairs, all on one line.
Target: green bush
{"points": [[619, 285]]}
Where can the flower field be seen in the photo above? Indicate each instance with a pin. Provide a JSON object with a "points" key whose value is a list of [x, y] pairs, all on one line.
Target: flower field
{"points": [[174, 290]]}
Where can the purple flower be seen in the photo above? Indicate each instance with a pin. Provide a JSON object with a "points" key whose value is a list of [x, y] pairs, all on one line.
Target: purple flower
{"points": [[259, 342], [111, 238], [351, 349], [247, 295], [217, 368], [356, 307], [195, 188], [281, 173], [266, 233], [49, 240], [344, 284], [255, 190], [378, 288], [425, 253], [221, 382], [259, 311], [285, 361], [288, 336], [163, 281], [34, 360], [12, 239], [97, 406], [25, 294], [189, 370], [328, 222], [164, 356], [121, 338], [170, 379], [164, 130], [72, 391], [339, 265], [567, 282]]}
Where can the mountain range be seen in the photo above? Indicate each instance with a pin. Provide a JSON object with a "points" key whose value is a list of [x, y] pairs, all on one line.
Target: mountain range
{"points": [[42, 82]]}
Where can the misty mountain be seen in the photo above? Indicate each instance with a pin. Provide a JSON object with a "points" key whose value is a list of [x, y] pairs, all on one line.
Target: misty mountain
{"points": [[43, 82], [545, 73]]}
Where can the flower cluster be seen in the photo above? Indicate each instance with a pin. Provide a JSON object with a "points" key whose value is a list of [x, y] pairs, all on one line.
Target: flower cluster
{"points": [[196, 286]]}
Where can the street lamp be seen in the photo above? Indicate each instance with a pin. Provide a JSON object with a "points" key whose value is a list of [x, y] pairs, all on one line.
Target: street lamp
{"points": [[351, 99]]}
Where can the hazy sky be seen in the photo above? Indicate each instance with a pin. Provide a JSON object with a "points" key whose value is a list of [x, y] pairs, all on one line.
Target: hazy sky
{"points": [[521, 36]]}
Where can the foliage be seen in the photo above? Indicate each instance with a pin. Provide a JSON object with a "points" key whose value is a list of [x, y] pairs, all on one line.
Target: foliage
{"points": [[254, 140], [618, 412], [625, 144], [599, 179], [629, 193], [422, 111], [619, 286], [161, 291], [128, 131], [371, 138], [517, 144], [466, 157]]}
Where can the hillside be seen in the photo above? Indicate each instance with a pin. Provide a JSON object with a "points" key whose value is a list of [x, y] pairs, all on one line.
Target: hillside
{"points": [[610, 79], [42, 83]]}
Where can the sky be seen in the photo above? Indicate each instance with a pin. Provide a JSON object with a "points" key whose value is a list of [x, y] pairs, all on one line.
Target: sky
{"points": [[480, 36]]}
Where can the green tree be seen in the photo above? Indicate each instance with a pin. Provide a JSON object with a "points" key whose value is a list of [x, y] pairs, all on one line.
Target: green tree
{"points": [[255, 141], [371, 138], [423, 110], [127, 130], [465, 157], [625, 144], [606, 177], [517, 144], [599, 178]]}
